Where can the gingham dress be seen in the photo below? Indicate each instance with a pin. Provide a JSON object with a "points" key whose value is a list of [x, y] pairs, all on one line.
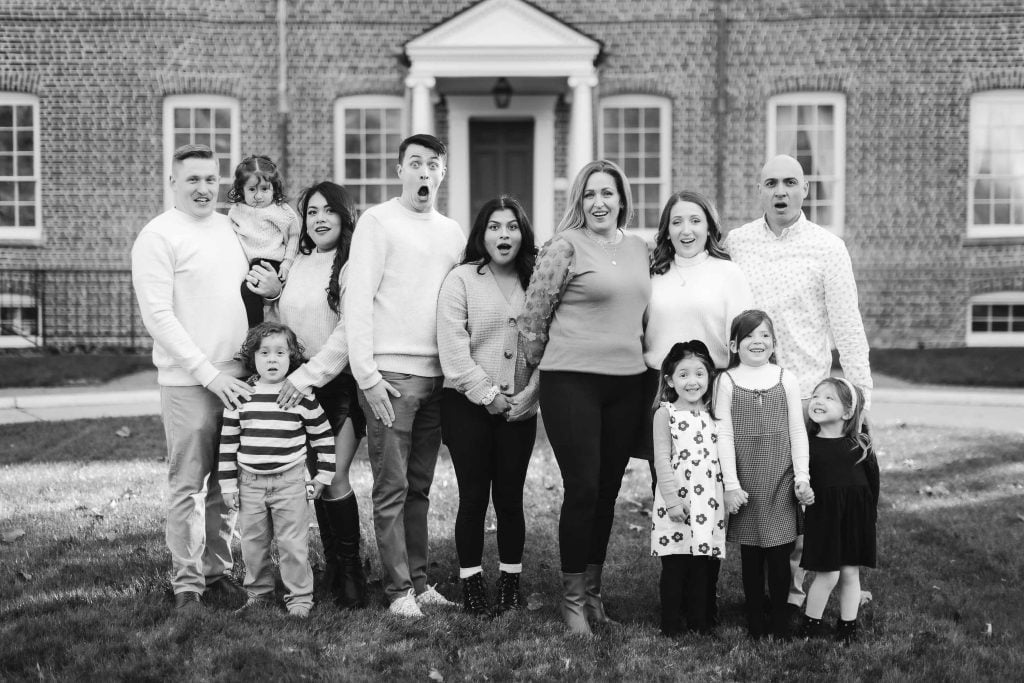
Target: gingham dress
{"points": [[698, 476], [764, 466]]}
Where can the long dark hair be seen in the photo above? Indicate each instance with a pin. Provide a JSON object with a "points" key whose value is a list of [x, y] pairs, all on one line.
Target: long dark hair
{"points": [[664, 252], [694, 348], [742, 325], [262, 167], [476, 252], [339, 201]]}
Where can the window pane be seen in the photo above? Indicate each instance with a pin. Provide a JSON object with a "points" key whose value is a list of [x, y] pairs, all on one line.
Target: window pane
{"points": [[611, 144], [999, 326], [203, 118], [393, 120], [223, 144], [27, 216], [979, 326], [1001, 213], [352, 169], [785, 116], [6, 141], [373, 119], [652, 118], [6, 216], [631, 167], [982, 216], [1000, 310], [26, 165], [651, 167], [182, 118], [374, 168], [26, 191], [6, 165], [223, 119], [201, 139], [181, 139], [6, 192], [373, 145], [631, 118], [611, 118], [353, 144]]}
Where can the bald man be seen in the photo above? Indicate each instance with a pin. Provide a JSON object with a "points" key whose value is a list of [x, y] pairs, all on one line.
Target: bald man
{"points": [[801, 276]]}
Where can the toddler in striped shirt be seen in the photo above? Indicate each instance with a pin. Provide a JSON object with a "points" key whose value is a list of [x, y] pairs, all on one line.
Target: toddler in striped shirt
{"points": [[262, 470]]}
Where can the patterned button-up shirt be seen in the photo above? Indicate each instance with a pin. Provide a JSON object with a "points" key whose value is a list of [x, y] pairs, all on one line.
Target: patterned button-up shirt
{"points": [[803, 280]]}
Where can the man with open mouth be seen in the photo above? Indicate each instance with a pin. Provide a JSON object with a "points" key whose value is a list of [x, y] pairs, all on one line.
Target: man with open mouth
{"points": [[801, 275], [401, 252]]}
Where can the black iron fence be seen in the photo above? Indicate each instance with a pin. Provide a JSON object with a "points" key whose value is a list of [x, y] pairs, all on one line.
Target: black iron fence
{"points": [[69, 309]]}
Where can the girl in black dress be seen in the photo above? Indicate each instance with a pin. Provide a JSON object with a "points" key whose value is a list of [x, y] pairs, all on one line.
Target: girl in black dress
{"points": [[839, 527]]}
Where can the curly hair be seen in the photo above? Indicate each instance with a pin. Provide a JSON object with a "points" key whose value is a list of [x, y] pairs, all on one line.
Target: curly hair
{"points": [[476, 252], [338, 200], [664, 252], [263, 168], [255, 336]]}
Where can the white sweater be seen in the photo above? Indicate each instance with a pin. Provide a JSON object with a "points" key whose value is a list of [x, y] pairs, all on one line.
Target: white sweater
{"points": [[186, 274], [398, 260]]}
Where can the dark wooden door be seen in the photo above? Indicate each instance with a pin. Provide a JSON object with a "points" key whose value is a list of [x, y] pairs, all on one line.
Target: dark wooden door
{"points": [[500, 162]]}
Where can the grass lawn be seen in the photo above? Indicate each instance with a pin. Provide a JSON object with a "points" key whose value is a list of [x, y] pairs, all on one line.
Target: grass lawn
{"points": [[71, 369], [84, 592]]}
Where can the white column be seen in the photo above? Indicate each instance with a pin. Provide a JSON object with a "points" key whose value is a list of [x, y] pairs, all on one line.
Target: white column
{"points": [[581, 123], [422, 106]]}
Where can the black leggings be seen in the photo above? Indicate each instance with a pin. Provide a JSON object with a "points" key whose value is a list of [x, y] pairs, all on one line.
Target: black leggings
{"points": [[491, 457], [771, 563], [591, 421], [689, 585]]}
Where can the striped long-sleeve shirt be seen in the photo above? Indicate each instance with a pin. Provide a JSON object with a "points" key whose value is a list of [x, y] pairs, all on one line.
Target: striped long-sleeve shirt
{"points": [[263, 438]]}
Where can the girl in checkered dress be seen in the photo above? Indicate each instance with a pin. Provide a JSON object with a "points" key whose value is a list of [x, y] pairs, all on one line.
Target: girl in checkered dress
{"points": [[763, 450], [688, 529]]}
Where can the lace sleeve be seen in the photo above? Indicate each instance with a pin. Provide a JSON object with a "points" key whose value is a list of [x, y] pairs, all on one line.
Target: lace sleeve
{"points": [[550, 278]]}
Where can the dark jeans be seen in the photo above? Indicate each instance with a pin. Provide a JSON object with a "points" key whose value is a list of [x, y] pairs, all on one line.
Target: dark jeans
{"points": [[490, 456], [771, 563], [591, 421], [689, 584]]}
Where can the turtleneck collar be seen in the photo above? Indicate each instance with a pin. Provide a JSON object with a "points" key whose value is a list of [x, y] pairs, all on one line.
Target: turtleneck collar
{"points": [[684, 262]]}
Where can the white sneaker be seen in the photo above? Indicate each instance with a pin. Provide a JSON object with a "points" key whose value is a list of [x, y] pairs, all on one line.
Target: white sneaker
{"points": [[406, 606], [432, 597]]}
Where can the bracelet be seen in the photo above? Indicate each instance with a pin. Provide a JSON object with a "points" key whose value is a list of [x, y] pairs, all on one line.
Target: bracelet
{"points": [[489, 397]]}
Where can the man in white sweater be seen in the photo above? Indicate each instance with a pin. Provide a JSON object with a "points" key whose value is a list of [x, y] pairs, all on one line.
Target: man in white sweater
{"points": [[401, 252], [186, 266]]}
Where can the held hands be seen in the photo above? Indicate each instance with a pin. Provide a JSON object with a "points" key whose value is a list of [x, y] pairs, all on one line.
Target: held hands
{"points": [[499, 406], [380, 403], [230, 500], [678, 513], [804, 493], [262, 279], [231, 392], [734, 500], [318, 489]]}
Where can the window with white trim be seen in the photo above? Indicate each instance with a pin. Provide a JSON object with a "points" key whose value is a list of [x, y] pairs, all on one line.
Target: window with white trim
{"points": [[367, 132], [811, 127], [996, 319], [635, 131], [995, 186], [211, 120], [19, 167], [19, 320]]}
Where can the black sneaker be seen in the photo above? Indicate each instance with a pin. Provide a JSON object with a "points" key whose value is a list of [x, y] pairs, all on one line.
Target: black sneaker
{"points": [[225, 590], [187, 602]]}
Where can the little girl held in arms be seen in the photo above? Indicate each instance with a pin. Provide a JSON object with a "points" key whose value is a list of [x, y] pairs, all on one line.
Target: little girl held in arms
{"points": [[839, 535], [763, 449], [688, 528], [267, 227]]}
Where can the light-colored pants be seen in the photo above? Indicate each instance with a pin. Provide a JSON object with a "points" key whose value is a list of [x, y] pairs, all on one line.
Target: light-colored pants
{"points": [[402, 459], [199, 525], [274, 506]]}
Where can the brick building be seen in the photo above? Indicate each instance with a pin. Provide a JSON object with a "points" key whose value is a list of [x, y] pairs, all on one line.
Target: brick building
{"points": [[907, 114]]}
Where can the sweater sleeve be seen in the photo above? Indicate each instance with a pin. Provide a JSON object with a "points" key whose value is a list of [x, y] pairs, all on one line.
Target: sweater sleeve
{"points": [[550, 277], [526, 400], [153, 278], [367, 260], [332, 357], [321, 439], [726, 432], [663, 460], [453, 341], [230, 437], [797, 429]]}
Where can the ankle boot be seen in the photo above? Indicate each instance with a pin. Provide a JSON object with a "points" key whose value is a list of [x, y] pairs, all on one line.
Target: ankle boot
{"points": [[846, 631], [595, 606], [351, 584], [474, 596], [811, 628], [573, 606], [329, 543], [509, 596]]}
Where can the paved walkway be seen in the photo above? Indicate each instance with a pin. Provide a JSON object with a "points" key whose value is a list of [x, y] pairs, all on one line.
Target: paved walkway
{"points": [[895, 402]]}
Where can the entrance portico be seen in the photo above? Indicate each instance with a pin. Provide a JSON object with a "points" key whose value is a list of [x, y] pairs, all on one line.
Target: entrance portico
{"points": [[542, 58]]}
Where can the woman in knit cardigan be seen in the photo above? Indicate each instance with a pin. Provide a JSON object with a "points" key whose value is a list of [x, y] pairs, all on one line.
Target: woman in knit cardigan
{"points": [[311, 305], [489, 404]]}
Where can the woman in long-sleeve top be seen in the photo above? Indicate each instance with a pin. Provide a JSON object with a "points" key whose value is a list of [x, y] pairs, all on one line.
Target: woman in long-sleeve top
{"points": [[489, 404], [582, 325]]}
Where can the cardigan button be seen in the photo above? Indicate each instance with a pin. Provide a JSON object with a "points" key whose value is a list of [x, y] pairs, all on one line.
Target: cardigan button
{"points": [[504, 386], [511, 322], [508, 354]]}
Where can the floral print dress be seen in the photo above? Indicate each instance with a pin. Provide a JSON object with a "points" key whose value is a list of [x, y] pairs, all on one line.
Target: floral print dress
{"points": [[698, 482]]}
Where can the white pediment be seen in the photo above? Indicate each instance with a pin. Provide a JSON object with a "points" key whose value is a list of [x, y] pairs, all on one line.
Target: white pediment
{"points": [[504, 38]]}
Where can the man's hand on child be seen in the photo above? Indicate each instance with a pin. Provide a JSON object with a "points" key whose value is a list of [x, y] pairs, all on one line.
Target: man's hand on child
{"points": [[734, 500], [804, 493], [231, 500], [232, 392]]}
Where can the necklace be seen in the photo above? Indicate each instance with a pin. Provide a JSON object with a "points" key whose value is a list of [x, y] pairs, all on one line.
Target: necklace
{"points": [[609, 247], [681, 262]]}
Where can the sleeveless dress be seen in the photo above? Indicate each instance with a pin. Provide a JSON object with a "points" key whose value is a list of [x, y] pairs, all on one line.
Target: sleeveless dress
{"points": [[841, 523], [764, 466], [698, 476]]}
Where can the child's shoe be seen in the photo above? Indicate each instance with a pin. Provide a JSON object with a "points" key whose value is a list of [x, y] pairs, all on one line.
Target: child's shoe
{"points": [[846, 631], [406, 606], [811, 628], [431, 597], [299, 611], [474, 596], [509, 596]]}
